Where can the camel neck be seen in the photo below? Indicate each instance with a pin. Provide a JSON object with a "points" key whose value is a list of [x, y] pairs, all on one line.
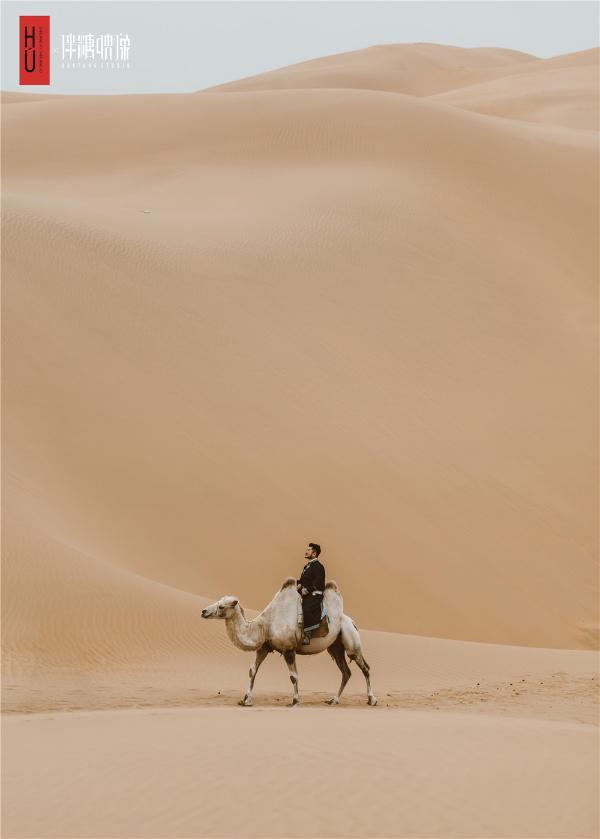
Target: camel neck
{"points": [[247, 635]]}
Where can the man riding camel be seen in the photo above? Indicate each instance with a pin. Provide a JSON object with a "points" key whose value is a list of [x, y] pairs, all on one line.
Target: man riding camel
{"points": [[311, 585]]}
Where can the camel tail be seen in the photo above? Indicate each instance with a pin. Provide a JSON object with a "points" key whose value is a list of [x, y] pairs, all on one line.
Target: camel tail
{"points": [[289, 582], [332, 584]]}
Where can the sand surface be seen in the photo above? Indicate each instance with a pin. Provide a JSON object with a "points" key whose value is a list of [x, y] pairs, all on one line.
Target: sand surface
{"points": [[351, 301], [337, 772]]}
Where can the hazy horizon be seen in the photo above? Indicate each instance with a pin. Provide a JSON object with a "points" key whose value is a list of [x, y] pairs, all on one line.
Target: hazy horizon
{"points": [[234, 40]]}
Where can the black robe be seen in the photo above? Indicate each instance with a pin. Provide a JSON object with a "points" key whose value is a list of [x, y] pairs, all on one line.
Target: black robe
{"points": [[312, 579]]}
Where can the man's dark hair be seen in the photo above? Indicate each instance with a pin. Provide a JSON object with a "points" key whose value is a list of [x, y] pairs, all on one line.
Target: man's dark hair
{"points": [[316, 548]]}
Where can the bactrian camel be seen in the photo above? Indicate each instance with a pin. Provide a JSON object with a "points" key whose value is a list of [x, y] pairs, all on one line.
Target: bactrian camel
{"points": [[278, 628]]}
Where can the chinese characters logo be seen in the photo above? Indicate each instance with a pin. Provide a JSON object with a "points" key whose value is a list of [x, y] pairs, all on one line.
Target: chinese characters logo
{"points": [[87, 51]]}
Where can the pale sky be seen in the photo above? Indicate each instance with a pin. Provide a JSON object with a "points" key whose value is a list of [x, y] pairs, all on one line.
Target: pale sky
{"points": [[185, 46]]}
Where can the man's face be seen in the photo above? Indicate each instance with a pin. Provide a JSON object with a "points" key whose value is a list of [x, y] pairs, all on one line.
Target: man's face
{"points": [[309, 553]]}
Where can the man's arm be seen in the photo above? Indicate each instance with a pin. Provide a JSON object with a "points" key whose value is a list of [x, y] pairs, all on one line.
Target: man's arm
{"points": [[320, 577]]}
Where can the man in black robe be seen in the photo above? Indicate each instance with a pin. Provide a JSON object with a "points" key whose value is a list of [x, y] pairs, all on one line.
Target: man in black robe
{"points": [[311, 585]]}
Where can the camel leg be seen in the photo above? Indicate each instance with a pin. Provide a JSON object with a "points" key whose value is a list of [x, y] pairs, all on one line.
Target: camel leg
{"points": [[336, 651], [360, 660], [351, 642], [261, 654], [290, 660]]}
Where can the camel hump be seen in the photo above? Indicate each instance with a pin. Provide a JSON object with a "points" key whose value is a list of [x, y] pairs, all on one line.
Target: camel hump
{"points": [[289, 582], [333, 585]]}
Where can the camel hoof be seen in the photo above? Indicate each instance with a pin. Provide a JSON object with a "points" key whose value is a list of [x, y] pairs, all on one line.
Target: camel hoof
{"points": [[333, 701], [244, 703], [293, 703], [372, 700]]}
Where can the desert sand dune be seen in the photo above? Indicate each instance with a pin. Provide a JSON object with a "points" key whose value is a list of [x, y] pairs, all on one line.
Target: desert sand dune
{"points": [[416, 69], [350, 301], [583, 58], [14, 97], [410, 775], [80, 632], [454, 721], [562, 96], [76, 611], [562, 90], [347, 316]]}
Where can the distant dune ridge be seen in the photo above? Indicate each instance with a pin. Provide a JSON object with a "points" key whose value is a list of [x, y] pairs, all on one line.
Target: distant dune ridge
{"points": [[355, 312], [416, 69], [501, 82]]}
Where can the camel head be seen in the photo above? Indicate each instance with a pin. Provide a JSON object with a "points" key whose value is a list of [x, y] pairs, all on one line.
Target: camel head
{"points": [[223, 608]]}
